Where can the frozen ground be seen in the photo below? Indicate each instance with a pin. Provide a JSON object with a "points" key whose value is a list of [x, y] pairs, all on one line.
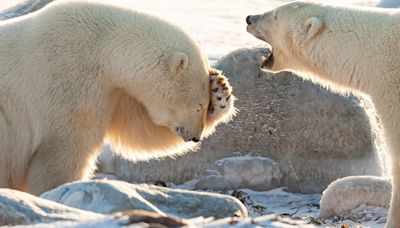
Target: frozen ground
{"points": [[300, 207]]}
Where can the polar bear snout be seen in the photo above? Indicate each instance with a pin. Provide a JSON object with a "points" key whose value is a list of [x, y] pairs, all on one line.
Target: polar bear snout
{"points": [[248, 20], [187, 135], [253, 26], [252, 19]]}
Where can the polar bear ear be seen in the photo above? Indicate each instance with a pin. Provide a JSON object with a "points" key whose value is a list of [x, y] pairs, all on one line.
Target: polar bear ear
{"points": [[179, 62], [312, 26]]}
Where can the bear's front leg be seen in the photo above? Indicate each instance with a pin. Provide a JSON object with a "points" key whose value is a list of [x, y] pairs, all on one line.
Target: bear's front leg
{"points": [[221, 105], [61, 160]]}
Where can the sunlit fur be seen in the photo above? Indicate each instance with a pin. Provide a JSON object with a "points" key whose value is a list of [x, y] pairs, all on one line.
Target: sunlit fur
{"points": [[345, 49], [133, 134]]}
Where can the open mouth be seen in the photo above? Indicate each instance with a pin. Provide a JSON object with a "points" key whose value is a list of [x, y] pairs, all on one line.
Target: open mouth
{"points": [[268, 61]]}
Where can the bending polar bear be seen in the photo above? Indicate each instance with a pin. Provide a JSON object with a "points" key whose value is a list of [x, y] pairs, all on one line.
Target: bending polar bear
{"points": [[354, 49], [76, 73]]}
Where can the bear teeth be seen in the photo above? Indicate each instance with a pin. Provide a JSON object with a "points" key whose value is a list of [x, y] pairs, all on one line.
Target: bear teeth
{"points": [[267, 61]]}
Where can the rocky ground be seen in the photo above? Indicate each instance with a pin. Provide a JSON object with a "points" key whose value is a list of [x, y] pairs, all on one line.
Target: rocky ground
{"points": [[359, 201], [112, 203]]}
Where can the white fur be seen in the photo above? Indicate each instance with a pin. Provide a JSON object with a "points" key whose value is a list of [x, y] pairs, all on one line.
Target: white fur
{"points": [[356, 49], [76, 73]]}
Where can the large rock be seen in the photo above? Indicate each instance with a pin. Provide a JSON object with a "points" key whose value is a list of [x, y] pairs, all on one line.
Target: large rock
{"points": [[19, 208], [112, 196], [315, 135], [389, 4], [212, 182], [106, 162], [22, 8], [257, 173], [344, 196]]}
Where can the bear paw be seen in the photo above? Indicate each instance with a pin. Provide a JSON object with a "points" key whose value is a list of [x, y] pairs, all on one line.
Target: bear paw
{"points": [[222, 99]]}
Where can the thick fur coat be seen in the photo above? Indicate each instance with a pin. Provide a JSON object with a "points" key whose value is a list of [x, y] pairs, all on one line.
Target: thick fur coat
{"points": [[77, 73], [346, 49]]}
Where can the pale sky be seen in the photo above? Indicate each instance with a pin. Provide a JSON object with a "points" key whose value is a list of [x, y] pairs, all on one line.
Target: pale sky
{"points": [[8, 3]]}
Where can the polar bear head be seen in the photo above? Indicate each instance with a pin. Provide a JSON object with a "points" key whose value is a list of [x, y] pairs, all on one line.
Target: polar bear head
{"points": [[165, 81], [292, 30], [325, 43], [179, 98], [174, 88]]}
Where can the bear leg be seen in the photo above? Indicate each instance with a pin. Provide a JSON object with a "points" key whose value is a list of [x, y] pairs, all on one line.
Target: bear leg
{"points": [[57, 162], [394, 211]]}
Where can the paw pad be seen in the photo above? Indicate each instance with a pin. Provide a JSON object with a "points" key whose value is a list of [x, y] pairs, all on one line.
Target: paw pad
{"points": [[221, 102]]}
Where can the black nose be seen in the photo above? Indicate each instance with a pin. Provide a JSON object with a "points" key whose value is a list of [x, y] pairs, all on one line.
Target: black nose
{"points": [[195, 140], [248, 21]]}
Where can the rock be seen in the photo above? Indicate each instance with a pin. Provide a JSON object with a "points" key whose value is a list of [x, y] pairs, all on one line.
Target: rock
{"points": [[140, 219], [106, 162], [106, 176], [25, 7], [389, 4], [19, 208], [315, 135], [112, 196], [347, 194], [257, 173], [212, 182], [139, 216], [210, 172]]}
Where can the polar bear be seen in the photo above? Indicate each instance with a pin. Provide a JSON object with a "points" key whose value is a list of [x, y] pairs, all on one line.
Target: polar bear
{"points": [[343, 48], [77, 73]]}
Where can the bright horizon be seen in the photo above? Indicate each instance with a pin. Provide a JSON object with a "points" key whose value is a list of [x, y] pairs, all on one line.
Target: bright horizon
{"points": [[7, 3], [218, 25]]}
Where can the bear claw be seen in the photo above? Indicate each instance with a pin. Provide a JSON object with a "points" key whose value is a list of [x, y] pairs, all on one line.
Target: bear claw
{"points": [[220, 101]]}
